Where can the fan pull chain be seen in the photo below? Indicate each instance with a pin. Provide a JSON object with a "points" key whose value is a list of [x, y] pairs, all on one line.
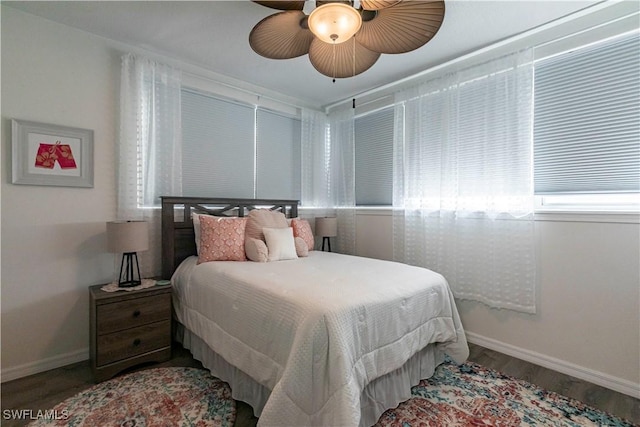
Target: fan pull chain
{"points": [[354, 56], [334, 60]]}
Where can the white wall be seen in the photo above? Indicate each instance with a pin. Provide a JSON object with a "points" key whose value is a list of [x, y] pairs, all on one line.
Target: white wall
{"points": [[588, 285], [53, 238]]}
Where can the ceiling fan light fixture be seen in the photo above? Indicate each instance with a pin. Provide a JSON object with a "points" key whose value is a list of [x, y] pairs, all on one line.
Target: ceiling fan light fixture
{"points": [[320, 29], [334, 22]]}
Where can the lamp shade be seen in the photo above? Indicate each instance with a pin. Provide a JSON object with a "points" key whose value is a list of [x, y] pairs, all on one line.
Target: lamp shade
{"points": [[326, 227], [127, 236]]}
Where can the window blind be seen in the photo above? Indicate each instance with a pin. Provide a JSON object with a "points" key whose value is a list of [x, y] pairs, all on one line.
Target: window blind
{"points": [[587, 119], [278, 159], [218, 147], [374, 158]]}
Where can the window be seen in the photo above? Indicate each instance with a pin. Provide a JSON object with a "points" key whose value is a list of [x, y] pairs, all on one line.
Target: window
{"points": [[586, 132], [237, 150], [374, 158], [217, 147], [587, 126], [278, 156]]}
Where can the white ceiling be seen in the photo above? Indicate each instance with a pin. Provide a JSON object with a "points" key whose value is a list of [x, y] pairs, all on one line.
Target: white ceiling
{"points": [[214, 35]]}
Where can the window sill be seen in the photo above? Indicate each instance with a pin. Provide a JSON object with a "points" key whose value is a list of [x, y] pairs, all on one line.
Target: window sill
{"points": [[375, 210], [625, 217], [588, 216]]}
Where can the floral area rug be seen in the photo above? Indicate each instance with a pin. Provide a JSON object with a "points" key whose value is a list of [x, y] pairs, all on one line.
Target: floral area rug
{"points": [[472, 395], [153, 397]]}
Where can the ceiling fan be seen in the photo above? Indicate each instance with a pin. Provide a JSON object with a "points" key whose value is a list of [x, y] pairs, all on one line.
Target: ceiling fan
{"points": [[345, 38]]}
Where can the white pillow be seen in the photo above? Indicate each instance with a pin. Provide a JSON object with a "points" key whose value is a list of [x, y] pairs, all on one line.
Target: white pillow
{"points": [[280, 243]]}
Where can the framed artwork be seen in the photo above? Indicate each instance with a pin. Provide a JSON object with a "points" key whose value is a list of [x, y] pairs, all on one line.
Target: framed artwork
{"points": [[44, 154]]}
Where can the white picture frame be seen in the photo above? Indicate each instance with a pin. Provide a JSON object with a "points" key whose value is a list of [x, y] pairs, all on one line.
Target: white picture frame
{"points": [[46, 154]]}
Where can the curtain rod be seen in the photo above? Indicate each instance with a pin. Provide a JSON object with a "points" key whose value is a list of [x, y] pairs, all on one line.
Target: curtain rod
{"points": [[187, 70], [247, 91], [544, 27]]}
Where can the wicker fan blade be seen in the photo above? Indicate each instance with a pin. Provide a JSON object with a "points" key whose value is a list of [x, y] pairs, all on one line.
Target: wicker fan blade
{"points": [[280, 36], [282, 5], [403, 27], [321, 55], [377, 4]]}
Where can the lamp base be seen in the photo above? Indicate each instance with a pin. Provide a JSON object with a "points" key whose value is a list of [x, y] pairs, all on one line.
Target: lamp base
{"points": [[128, 278], [131, 284], [328, 240]]}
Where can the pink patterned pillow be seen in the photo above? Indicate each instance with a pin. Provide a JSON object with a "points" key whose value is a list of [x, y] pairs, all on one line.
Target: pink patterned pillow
{"points": [[302, 228], [302, 250], [221, 239]]}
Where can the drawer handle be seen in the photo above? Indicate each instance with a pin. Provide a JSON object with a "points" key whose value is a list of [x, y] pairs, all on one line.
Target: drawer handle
{"points": [[136, 342], [136, 313]]}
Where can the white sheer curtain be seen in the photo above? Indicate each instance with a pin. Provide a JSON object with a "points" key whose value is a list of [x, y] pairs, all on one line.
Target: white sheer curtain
{"points": [[315, 160], [342, 175], [328, 175], [149, 147], [463, 187], [315, 152]]}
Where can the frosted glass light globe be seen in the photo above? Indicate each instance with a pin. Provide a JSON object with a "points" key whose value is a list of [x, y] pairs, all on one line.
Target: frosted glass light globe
{"points": [[334, 22]]}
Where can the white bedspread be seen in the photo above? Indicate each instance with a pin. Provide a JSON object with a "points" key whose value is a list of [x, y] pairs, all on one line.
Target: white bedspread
{"points": [[317, 330]]}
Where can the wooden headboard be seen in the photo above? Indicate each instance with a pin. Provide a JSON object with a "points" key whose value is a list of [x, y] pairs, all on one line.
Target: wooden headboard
{"points": [[178, 239]]}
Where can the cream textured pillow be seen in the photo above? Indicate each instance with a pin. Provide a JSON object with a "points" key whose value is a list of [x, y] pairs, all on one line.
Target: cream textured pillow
{"points": [[280, 243], [221, 239], [259, 219], [195, 218], [302, 229], [256, 250]]}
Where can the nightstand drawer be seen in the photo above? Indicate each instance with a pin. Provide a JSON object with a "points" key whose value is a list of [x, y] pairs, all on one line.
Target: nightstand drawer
{"points": [[131, 342], [128, 328], [132, 313]]}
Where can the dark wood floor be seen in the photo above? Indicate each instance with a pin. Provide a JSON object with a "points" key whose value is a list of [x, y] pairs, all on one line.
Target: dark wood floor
{"points": [[43, 391]]}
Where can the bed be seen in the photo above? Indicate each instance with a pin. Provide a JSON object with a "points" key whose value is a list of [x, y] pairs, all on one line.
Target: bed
{"points": [[327, 339]]}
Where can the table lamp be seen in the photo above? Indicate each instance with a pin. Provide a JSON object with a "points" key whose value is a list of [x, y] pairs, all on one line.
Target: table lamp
{"points": [[128, 238], [326, 228]]}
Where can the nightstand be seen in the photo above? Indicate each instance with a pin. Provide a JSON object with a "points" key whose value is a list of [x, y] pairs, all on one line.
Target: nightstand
{"points": [[128, 328]]}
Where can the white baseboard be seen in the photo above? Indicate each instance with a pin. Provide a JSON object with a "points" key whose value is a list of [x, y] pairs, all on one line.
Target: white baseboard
{"points": [[31, 368], [605, 380]]}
